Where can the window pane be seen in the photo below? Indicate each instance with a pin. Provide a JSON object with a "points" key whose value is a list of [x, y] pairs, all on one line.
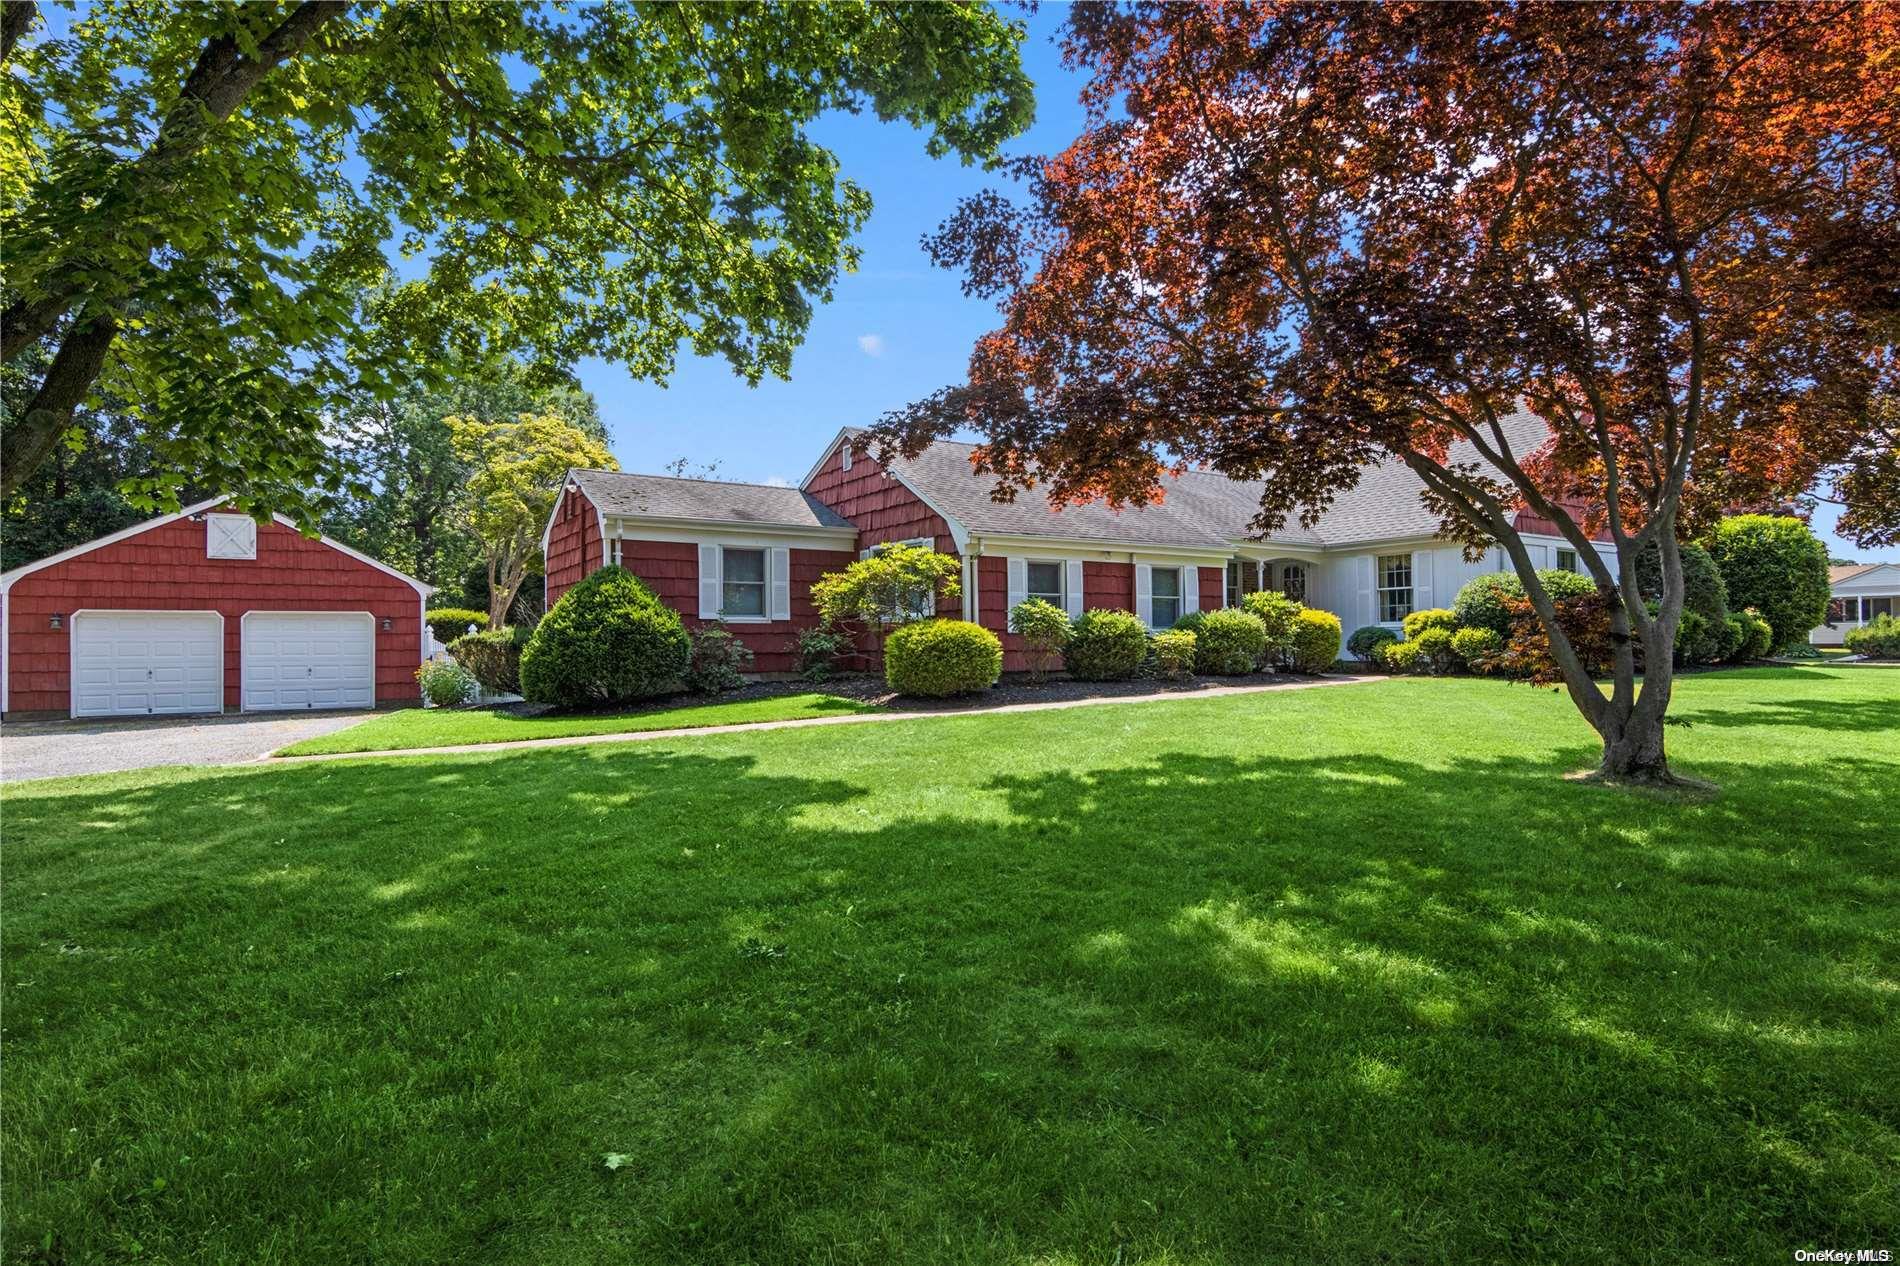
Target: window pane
{"points": [[1566, 560], [1167, 583], [1879, 606], [1293, 582], [1395, 587], [745, 566], [1045, 582]]}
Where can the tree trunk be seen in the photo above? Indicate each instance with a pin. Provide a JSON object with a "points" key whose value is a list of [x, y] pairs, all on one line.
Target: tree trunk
{"points": [[1633, 752], [50, 413]]}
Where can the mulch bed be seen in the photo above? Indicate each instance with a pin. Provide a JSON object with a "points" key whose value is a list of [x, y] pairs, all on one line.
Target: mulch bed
{"points": [[1014, 688]]}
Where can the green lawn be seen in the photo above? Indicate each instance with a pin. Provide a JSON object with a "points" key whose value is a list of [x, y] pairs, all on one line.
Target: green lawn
{"points": [[1319, 976], [443, 727]]}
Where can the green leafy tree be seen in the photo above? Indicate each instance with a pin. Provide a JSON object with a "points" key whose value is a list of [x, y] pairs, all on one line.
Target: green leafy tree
{"points": [[408, 508], [517, 468], [1774, 564], [196, 200], [895, 585]]}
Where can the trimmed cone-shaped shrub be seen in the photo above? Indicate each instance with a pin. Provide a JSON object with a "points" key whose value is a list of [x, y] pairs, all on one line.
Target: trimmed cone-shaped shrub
{"points": [[937, 658], [608, 640], [1228, 643], [1365, 643], [1777, 566], [1315, 641], [1106, 646]]}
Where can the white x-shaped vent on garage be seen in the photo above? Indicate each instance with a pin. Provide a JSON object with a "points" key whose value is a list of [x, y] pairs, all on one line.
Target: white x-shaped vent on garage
{"points": [[230, 536]]}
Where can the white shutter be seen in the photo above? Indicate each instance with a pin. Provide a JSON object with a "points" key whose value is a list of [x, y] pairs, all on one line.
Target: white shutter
{"points": [[1073, 589], [1368, 609], [1145, 594], [1422, 569], [1018, 583], [781, 578], [1190, 590], [711, 584]]}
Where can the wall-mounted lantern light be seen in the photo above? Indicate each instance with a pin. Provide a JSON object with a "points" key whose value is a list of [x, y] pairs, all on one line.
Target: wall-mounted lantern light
{"points": [[54, 622], [388, 624]]}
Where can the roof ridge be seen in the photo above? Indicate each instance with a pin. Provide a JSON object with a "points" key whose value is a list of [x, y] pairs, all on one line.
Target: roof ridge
{"points": [[688, 479]]}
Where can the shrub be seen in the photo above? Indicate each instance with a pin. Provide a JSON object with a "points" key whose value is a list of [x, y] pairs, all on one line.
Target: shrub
{"points": [[819, 649], [936, 658], [1365, 643], [1485, 602], [1756, 635], [1775, 565], [494, 658], [446, 683], [1693, 642], [1585, 620], [607, 640], [718, 662], [1477, 649], [449, 623], [1879, 638], [1106, 646], [1401, 657], [1434, 650], [1229, 642], [893, 585], [1174, 653], [1562, 585], [1044, 629], [1191, 622], [1430, 618], [1315, 641], [1702, 587], [1727, 636], [1278, 614]]}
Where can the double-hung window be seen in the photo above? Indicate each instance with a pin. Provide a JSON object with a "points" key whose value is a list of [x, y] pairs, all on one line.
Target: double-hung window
{"points": [[1166, 589], [743, 596], [1045, 582], [1233, 583], [1395, 587]]}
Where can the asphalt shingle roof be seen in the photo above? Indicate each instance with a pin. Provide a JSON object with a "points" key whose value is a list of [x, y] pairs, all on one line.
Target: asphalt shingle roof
{"points": [[706, 500]]}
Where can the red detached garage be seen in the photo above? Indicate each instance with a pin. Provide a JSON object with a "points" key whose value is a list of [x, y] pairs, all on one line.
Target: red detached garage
{"points": [[207, 610]]}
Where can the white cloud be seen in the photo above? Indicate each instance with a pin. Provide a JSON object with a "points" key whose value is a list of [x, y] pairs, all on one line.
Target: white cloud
{"points": [[871, 344]]}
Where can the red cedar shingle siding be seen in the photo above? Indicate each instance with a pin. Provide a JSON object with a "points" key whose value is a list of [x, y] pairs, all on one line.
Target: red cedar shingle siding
{"points": [[671, 570], [574, 544], [1529, 521], [165, 569], [1213, 588], [881, 509]]}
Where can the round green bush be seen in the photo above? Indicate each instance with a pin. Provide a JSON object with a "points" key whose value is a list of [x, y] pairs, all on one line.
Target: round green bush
{"points": [[1315, 641], [1278, 614], [1728, 635], [1561, 585], [1191, 622], [1702, 587], [1434, 649], [1692, 638], [1401, 657], [1365, 643], [1174, 653], [1430, 618], [933, 659], [1777, 566], [1106, 646], [449, 623], [1485, 602], [494, 657], [1756, 635], [1229, 642], [1477, 649], [609, 639]]}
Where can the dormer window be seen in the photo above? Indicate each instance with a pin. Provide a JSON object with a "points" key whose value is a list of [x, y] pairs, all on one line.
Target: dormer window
{"points": [[230, 536]]}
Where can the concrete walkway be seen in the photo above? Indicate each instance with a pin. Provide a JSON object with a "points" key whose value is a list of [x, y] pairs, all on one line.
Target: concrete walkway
{"points": [[865, 718]]}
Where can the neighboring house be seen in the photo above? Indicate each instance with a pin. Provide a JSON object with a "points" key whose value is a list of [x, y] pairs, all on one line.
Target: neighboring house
{"points": [[207, 611], [1859, 594], [748, 553]]}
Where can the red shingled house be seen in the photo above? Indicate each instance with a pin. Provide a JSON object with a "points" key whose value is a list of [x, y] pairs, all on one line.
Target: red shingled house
{"points": [[748, 553], [207, 611]]}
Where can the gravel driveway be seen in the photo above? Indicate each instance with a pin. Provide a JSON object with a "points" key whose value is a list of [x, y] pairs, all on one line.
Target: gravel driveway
{"points": [[53, 749]]}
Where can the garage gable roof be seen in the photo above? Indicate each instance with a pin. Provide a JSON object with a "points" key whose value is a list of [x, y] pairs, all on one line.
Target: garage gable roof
{"points": [[26, 569]]}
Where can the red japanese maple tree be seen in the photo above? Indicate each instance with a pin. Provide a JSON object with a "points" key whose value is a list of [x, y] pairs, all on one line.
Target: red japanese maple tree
{"points": [[1294, 239]]}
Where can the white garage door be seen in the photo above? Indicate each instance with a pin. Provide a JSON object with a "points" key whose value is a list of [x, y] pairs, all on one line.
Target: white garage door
{"points": [[309, 659], [147, 663]]}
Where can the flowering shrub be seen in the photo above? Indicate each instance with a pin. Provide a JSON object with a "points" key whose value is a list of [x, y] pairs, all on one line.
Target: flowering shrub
{"points": [[445, 683]]}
